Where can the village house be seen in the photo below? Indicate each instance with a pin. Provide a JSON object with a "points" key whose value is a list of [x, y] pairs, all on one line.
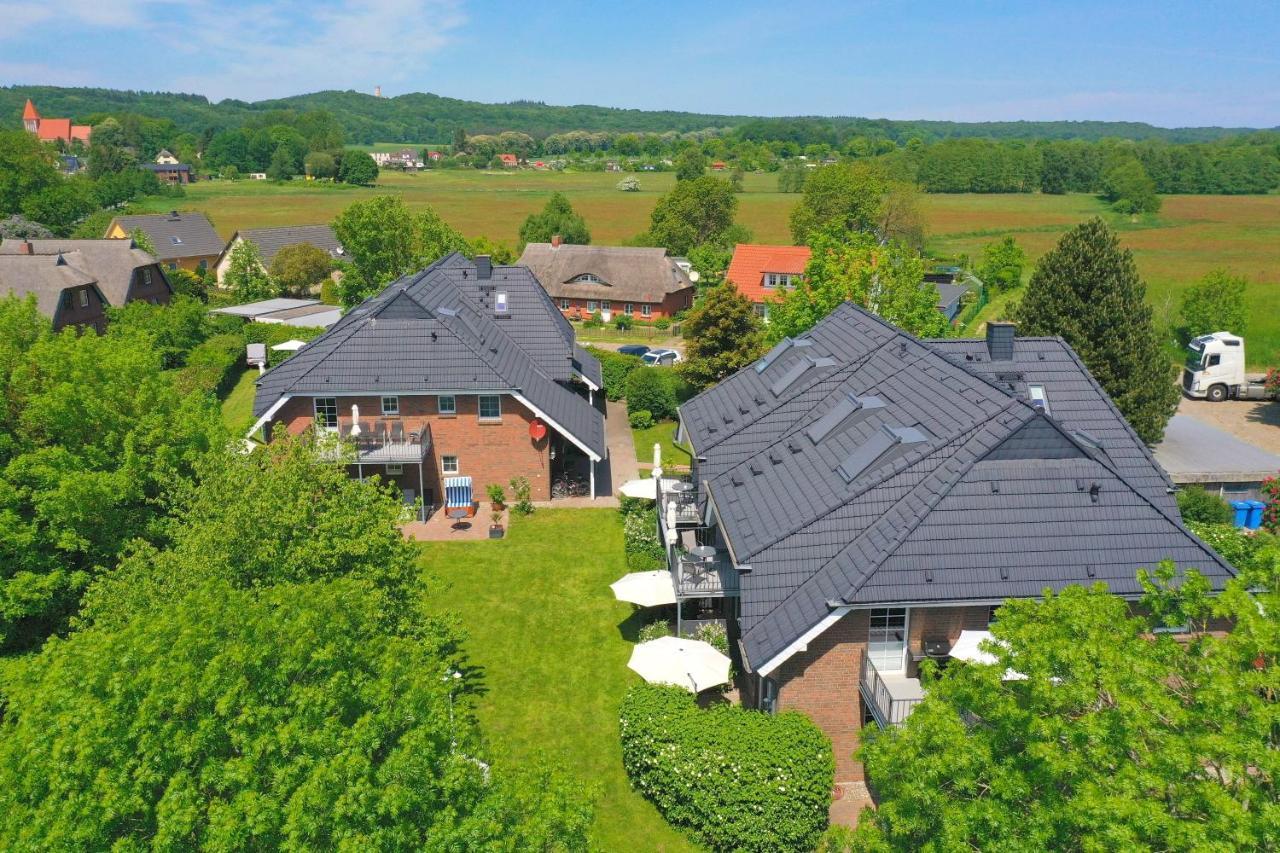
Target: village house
{"points": [[872, 499], [509, 161], [166, 158], [168, 173], [461, 372], [644, 283], [63, 291], [122, 272], [762, 273], [271, 240], [54, 129], [182, 240]]}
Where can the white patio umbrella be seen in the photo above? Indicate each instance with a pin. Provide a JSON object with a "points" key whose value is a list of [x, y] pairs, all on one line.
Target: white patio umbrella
{"points": [[657, 455], [290, 346], [647, 589], [966, 648], [355, 419], [691, 664], [647, 488]]}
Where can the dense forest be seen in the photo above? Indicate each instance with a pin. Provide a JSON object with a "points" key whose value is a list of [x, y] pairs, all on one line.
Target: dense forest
{"points": [[422, 118]]}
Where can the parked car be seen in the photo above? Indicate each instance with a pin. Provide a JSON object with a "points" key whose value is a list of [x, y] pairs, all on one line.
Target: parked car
{"points": [[662, 357], [633, 349]]}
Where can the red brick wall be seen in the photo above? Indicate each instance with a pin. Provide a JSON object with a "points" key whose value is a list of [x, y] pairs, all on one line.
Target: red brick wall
{"points": [[487, 452], [674, 303]]}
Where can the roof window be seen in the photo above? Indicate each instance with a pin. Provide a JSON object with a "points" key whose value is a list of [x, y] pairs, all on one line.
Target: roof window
{"points": [[177, 241], [838, 414], [1039, 398], [886, 444], [778, 349]]}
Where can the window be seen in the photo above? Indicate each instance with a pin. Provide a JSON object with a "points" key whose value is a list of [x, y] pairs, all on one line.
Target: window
{"points": [[146, 277], [447, 404], [993, 613], [606, 305], [564, 304], [395, 468], [588, 278], [327, 412], [391, 406], [887, 638], [777, 279], [449, 464], [591, 305], [84, 297], [1214, 360], [628, 309], [490, 407], [500, 302], [177, 241], [645, 309], [1039, 399]]}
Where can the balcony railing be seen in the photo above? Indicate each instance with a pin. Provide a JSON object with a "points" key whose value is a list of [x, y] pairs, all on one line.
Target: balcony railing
{"points": [[891, 697], [381, 442], [715, 578], [679, 500]]}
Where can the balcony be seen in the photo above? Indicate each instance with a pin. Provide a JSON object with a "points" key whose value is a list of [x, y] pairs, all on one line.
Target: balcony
{"points": [[705, 578], [678, 503], [382, 442], [891, 697]]}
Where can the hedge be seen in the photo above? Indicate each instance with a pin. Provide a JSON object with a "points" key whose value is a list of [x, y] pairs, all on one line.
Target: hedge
{"points": [[615, 368], [1236, 547], [277, 333], [652, 389], [738, 779], [213, 366], [644, 550]]}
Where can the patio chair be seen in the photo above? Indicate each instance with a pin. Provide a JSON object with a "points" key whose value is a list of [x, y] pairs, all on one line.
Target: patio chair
{"points": [[397, 433]]}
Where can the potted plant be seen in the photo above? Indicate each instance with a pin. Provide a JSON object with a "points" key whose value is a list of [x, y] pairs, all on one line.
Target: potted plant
{"points": [[497, 496], [495, 529]]}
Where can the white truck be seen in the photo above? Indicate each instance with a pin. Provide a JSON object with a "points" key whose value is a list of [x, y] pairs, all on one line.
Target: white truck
{"points": [[1214, 371]]}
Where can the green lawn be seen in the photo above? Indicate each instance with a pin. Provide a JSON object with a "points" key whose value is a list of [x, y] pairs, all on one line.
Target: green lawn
{"points": [[663, 433], [237, 407], [552, 644]]}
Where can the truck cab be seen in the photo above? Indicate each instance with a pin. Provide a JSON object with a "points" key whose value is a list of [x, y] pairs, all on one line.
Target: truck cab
{"points": [[1214, 369]]}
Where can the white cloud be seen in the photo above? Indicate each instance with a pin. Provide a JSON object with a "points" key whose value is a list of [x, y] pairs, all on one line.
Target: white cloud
{"points": [[247, 51]]}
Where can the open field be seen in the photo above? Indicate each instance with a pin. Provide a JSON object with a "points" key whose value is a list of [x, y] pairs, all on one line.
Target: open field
{"points": [[552, 644], [1191, 235]]}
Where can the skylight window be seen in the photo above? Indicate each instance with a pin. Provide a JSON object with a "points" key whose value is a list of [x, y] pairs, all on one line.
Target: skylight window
{"points": [[1039, 398], [500, 302], [177, 241], [839, 413], [793, 373], [888, 443]]}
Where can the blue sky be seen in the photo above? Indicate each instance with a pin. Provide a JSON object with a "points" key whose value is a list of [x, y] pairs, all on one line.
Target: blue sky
{"points": [[1173, 63]]}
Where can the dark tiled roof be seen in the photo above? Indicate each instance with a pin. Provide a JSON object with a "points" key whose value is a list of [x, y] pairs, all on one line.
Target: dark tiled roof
{"points": [[109, 262], [45, 277], [424, 334], [941, 483], [176, 235], [271, 240]]}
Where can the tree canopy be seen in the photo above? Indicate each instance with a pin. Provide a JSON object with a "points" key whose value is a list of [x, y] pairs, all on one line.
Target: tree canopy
{"points": [[690, 163], [1087, 290], [1002, 264], [246, 277], [722, 335], [696, 212], [842, 197], [1214, 304], [887, 280], [1129, 188], [384, 241], [297, 268], [557, 217]]}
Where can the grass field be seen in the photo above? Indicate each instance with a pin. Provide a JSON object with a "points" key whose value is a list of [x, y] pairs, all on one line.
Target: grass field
{"points": [[664, 433], [1191, 235], [552, 644], [237, 406]]}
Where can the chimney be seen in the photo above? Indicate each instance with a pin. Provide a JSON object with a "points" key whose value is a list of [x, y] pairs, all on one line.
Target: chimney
{"points": [[25, 248], [555, 241], [484, 267], [1000, 341]]}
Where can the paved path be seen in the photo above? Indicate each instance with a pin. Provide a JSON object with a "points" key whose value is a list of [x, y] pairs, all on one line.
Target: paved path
{"points": [[622, 449]]}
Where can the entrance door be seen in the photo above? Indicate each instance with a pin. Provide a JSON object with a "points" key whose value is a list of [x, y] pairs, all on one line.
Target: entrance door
{"points": [[887, 639], [409, 497]]}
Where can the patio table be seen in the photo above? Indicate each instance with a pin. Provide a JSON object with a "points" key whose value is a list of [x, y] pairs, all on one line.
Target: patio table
{"points": [[703, 552], [458, 514]]}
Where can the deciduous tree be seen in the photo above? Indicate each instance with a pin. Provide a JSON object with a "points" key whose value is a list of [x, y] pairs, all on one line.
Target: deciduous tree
{"points": [[696, 212], [887, 280], [1087, 290], [722, 335], [1214, 304], [299, 267], [557, 217], [1129, 189], [26, 168], [384, 241], [846, 197], [1002, 264], [690, 164], [358, 168], [246, 278]]}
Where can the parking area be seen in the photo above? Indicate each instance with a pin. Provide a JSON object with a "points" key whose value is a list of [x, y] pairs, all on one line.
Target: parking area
{"points": [[1256, 422]]}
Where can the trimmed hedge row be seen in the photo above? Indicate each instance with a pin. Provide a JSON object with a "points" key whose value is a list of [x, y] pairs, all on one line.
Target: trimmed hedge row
{"points": [[214, 365], [738, 779], [277, 333], [615, 368], [640, 531], [652, 390]]}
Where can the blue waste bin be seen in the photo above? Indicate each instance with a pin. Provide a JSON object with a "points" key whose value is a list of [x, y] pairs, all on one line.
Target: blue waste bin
{"points": [[1241, 510], [1255, 514]]}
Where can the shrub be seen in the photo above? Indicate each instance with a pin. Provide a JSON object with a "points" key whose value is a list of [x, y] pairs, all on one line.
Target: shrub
{"points": [[654, 631], [1236, 547], [497, 494], [1271, 493], [622, 322], [738, 779], [329, 293], [520, 490], [630, 506], [615, 368], [644, 550], [1196, 504], [213, 366], [713, 634], [650, 389], [642, 419], [662, 324]]}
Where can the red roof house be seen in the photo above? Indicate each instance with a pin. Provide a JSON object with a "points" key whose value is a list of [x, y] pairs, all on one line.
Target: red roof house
{"points": [[509, 160], [53, 129], [761, 272]]}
